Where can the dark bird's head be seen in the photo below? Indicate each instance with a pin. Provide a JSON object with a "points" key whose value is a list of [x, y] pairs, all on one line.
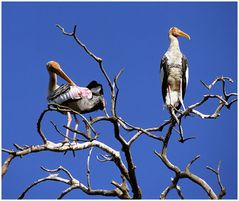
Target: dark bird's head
{"points": [[53, 66], [174, 31]]}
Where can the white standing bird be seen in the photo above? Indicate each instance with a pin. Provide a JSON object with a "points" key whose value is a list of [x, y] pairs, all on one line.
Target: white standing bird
{"points": [[174, 72]]}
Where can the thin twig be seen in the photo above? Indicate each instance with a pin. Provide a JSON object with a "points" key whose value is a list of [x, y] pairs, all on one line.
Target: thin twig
{"points": [[44, 139], [105, 158], [191, 162], [79, 133], [88, 168], [57, 130], [114, 102], [18, 147]]}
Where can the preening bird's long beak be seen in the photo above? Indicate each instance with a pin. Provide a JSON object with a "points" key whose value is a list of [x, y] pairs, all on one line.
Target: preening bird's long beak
{"points": [[62, 74], [55, 67], [183, 34]]}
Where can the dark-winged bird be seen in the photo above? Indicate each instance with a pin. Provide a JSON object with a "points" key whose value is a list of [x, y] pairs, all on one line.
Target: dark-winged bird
{"points": [[81, 99], [174, 72]]}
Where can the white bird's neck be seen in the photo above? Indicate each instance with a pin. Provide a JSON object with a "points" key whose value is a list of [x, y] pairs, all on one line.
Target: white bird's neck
{"points": [[174, 54], [174, 44]]}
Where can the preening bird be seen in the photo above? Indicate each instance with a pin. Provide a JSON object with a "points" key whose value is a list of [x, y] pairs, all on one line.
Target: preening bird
{"points": [[174, 72], [81, 99]]}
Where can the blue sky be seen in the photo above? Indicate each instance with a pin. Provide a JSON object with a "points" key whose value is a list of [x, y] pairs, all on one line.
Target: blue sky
{"points": [[132, 36]]}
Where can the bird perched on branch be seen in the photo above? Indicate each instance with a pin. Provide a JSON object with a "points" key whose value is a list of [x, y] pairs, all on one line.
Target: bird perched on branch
{"points": [[81, 99], [174, 72]]}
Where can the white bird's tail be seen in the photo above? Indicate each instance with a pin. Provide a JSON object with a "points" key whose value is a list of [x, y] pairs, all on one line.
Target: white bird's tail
{"points": [[173, 99]]}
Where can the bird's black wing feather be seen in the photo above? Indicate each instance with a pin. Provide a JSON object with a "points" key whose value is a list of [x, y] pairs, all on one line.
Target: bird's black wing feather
{"points": [[95, 88], [184, 74], [60, 90], [164, 76]]}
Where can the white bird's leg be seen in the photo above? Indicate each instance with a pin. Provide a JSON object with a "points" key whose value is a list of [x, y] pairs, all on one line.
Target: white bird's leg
{"points": [[69, 119], [173, 114], [76, 127], [181, 95], [171, 107], [172, 111]]}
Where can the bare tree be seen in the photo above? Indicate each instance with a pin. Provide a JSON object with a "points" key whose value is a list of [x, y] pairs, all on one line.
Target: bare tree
{"points": [[128, 187]]}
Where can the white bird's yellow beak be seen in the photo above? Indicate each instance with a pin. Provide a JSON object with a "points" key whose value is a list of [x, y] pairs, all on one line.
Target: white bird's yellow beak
{"points": [[177, 32]]}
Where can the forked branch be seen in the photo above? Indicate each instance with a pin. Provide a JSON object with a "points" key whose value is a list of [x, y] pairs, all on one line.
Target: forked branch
{"points": [[217, 173], [72, 182]]}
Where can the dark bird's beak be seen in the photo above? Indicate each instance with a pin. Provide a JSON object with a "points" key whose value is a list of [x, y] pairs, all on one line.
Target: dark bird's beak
{"points": [[63, 75], [55, 67]]}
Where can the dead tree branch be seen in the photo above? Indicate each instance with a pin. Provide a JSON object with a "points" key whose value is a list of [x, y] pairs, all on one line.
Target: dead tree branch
{"points": [[62, 147], [73, 184], [88, 168], [217, 173], [7, 163], [172, 186], [223, 101]]}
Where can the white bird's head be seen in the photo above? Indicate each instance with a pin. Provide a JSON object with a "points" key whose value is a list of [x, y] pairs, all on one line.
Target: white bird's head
{"points": [[174, 31]]}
